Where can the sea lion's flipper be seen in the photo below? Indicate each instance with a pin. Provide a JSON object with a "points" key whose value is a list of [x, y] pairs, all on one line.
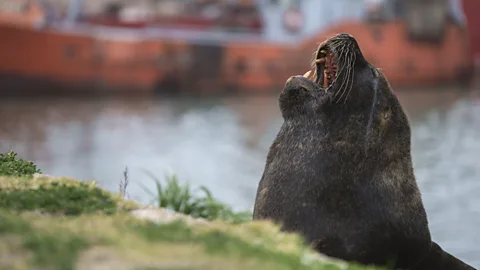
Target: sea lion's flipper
{"points": [[438, 259]]}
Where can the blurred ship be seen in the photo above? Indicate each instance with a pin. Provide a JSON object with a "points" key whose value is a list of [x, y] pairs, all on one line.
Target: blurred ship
{"points": [[212, 47]]}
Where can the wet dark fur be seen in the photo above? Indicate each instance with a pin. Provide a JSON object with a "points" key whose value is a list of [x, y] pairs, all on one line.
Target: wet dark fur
{"points": [[340, 170]]}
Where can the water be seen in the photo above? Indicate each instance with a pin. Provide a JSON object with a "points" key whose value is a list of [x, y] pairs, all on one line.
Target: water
{"points": [[222, 144]]}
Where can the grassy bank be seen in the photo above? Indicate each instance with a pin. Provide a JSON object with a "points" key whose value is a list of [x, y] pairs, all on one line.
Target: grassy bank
{"points": [[60, 223]]}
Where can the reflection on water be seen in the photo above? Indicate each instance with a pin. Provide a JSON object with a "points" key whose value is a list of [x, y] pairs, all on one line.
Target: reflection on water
{"points": [[222, 143]]}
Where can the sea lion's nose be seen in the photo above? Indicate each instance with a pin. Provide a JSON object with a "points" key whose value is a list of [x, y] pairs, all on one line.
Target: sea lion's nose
{"points": [[345, 35], [293, 77]]}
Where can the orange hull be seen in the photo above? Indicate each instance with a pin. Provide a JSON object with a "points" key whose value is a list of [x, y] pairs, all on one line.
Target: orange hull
{"points": [[471, 8], [40, 60]]}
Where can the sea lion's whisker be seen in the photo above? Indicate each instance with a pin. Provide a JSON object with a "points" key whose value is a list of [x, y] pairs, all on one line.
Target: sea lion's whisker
{"points": [[352, 78], [340, 58], [333, 58], [342, 85], [348, 77], [346, 65]]}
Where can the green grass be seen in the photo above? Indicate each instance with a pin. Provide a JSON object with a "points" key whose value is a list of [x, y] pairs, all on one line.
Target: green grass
{"points": [[58, 198], [65, 198], [218, 242], [58, 249], [59, 243], [10, 165], [198, 203], [61, 223]]}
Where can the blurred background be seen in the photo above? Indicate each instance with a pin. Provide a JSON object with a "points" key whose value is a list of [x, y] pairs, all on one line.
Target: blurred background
{"points": [[190, 87]]}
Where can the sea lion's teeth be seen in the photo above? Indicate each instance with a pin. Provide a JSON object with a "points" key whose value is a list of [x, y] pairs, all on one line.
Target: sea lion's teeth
{"points": [[307, 74], [323, 51], [320, 61]]}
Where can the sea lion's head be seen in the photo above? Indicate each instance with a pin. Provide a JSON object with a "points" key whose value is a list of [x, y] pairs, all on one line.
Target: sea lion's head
{"points": [[347, 93]]}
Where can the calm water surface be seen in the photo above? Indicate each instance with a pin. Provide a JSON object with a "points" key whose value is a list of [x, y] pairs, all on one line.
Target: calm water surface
{"points": [[222, 144]]}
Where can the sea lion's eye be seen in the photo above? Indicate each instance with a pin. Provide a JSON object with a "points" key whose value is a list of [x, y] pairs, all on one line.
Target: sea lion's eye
{"points": [[303, 90]]}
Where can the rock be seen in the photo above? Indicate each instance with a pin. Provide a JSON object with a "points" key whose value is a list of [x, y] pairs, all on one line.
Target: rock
{"points": [[161, 215]]}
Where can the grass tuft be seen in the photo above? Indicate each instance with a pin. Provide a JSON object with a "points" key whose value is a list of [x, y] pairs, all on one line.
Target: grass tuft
{"points": [[124, 184], [198, 203], [10, 165]]}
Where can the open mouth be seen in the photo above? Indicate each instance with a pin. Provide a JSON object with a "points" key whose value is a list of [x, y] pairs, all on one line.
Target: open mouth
{"points": [[326, 68], [334, 64]]}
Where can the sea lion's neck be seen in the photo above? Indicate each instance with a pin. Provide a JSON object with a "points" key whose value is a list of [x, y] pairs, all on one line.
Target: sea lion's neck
{"points": [[315, 121], [383, 162], [394, 171]]}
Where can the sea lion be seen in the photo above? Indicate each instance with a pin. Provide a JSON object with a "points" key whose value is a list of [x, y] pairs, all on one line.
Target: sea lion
{"points": [[340, 170]]}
